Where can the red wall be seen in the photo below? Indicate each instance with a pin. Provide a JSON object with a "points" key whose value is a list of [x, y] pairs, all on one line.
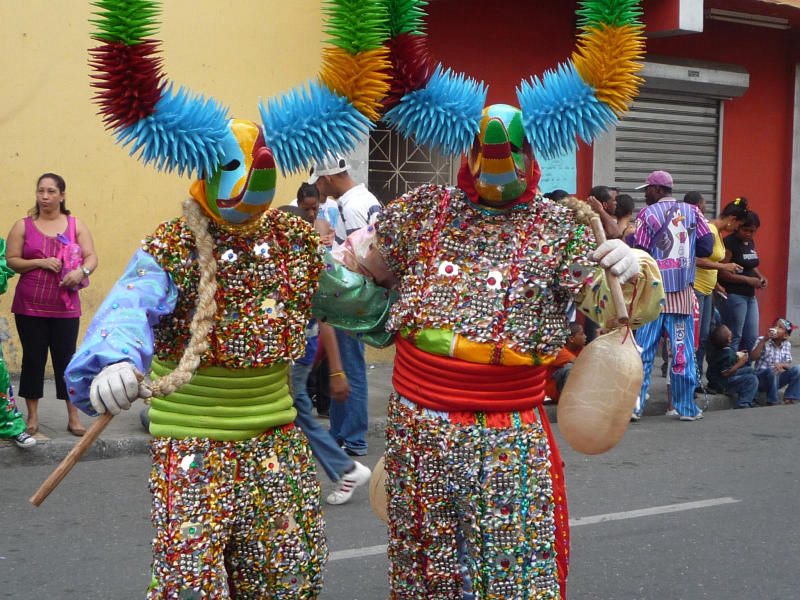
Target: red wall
{"points": [[503, 42]]}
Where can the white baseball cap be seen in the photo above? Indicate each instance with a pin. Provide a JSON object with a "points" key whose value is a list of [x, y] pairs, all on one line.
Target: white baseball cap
{"points": [[331, 166]]}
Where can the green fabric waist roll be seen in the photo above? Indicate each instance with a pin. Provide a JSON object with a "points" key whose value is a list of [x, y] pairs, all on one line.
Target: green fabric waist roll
{"points": [[223, 404]]}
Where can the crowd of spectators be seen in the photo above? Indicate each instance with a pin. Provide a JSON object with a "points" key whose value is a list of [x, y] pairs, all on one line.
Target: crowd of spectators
{"points": [[709, 327]]}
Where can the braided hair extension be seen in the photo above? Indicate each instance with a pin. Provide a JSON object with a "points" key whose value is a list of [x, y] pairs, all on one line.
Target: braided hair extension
{"points": [[206, 304]]}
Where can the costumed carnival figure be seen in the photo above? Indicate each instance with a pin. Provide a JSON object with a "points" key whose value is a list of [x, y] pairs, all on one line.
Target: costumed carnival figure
{"points": [[486, 272], [12, 425], [215, 303]]}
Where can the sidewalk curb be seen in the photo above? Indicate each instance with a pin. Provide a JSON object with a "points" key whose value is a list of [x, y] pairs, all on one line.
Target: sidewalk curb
{"points": [[48, 452]]}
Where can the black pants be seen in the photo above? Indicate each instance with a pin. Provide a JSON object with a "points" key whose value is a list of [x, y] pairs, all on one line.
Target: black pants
{"points": [[38, 335], [318, 388]]}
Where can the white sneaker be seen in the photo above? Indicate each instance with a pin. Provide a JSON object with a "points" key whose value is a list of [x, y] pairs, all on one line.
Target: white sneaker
{"points": [[696, 417], [348, 483], [672, 413], [635, 417], [24, 440]]}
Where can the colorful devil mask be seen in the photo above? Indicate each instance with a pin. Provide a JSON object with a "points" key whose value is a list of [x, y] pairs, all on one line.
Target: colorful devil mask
{"points": [[243, 184], [501, 160]]}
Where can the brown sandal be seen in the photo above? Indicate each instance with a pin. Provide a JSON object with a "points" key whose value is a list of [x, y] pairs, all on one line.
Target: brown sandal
{"points": [[78, 431]]}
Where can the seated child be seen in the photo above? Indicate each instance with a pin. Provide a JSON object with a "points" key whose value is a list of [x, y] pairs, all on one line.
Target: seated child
{"points": [[559, 369], [727, 371], [773, 364]]}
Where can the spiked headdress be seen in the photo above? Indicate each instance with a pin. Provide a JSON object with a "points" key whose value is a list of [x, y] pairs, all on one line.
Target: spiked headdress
{"points": [[175, 129], [579, 99]]}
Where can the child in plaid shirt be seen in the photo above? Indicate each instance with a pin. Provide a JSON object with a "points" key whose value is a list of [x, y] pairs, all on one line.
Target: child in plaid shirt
{"points": [[772, 354]]}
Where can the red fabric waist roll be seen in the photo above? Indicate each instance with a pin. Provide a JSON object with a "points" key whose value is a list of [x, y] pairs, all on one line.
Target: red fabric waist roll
{"points": [[450, 384]]}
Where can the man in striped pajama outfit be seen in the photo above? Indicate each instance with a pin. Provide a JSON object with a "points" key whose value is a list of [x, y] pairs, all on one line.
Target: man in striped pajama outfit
{"points": [[674, 233]]}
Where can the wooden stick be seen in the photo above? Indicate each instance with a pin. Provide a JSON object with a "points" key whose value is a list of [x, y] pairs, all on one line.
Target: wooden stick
{"points": [[95, 429], [613, 281]]}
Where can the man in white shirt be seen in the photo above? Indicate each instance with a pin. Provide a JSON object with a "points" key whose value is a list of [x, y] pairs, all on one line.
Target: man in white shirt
{"points": [[357, 208]]}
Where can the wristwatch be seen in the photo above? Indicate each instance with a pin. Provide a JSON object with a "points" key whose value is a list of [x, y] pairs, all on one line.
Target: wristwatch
{"points": [[86, 271]]}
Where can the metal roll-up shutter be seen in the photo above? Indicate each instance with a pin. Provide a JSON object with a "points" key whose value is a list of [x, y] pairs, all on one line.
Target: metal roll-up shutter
{"points": [[672, 132]]}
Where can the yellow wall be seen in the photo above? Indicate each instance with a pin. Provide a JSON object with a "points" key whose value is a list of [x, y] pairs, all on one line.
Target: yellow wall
{"points": [[49, 123]]}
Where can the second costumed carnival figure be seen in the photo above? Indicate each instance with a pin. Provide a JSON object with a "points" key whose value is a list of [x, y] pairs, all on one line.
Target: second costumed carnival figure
{"points": [[485, 273]]}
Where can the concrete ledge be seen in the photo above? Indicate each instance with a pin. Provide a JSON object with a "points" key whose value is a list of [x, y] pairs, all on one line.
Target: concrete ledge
{"points": [[53, 451], [48, 452]]}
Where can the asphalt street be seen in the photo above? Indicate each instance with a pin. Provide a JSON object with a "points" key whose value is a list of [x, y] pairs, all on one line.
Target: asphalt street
{"points": [[689, 511]]}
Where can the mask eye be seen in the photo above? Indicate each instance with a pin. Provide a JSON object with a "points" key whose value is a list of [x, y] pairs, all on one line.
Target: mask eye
{"points": [[231, 166], [514, 148]]}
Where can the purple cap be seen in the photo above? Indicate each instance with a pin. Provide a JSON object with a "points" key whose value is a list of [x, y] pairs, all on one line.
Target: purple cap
{"points": [[661, 178]]}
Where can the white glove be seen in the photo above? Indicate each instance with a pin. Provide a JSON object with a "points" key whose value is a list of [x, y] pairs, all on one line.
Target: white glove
{"points": [[115, 387], [618, 257]]}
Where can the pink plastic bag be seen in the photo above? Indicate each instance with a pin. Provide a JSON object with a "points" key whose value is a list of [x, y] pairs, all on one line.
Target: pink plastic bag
{"points": [[71, 257]]}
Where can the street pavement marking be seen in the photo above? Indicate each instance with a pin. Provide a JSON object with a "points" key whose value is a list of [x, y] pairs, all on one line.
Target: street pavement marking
{"points": [[618, 516], [357, 552], [648, 512]]}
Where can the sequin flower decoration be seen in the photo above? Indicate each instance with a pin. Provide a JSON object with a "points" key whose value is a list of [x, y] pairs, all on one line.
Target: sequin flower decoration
{"points": [[229, 256], [261, 250], [448, 269], [494, 280]]}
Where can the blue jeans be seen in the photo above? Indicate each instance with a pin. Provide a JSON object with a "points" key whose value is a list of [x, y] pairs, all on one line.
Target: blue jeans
{"points": [[706, 309], [744, 384], [349, 420], [325, 449], [561, 376], [741, 317], [769, 381]]}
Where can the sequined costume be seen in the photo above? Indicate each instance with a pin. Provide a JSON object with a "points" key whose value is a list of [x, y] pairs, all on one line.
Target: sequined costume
{"points": [[235, 496], [477, 502], [11, 421], [485, 272]]}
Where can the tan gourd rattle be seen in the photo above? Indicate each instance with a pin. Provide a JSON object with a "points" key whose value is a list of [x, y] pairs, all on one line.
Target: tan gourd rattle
{"points": [[595, 406]]}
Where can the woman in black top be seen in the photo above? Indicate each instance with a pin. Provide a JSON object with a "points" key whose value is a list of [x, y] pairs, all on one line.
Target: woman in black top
{"points": [[741, 308]]}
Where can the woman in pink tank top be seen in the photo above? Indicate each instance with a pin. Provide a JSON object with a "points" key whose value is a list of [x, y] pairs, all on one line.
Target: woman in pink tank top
{"points": [[46, 305]]}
